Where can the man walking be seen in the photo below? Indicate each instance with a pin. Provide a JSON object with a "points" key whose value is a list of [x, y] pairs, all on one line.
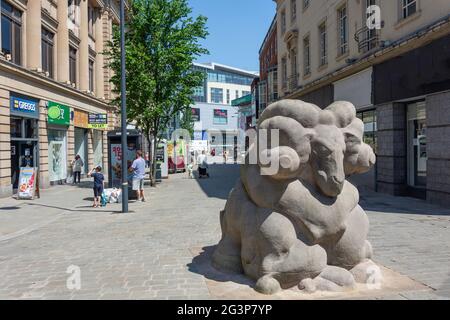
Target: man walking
{"points": [[138, 169]]}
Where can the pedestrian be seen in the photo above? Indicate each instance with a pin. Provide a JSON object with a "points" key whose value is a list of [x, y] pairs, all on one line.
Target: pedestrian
{"points": [[202, 165], [97, 174], [138, 169], [190, 169], [77, 164], [147, 160], [225, 156]]}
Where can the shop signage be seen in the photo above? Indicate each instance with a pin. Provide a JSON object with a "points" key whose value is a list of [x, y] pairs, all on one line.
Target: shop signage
{"points": [[58, 113], [98, 121], [27, 182], [24, 106], [80, 119], [195, 114]]}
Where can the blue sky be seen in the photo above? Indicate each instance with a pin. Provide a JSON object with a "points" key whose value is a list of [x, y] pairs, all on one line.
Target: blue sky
{"points": [[236, 30]]}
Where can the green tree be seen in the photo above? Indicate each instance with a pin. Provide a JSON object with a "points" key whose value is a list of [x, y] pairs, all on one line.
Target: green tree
{"points": [[162, 42]]}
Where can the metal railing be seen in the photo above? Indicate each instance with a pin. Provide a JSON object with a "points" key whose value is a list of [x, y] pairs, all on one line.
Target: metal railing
{"points": [[367, 39]]}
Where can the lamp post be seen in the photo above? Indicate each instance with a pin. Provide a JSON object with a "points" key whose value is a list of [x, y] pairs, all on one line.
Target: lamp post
{"points": [[123, 110]]}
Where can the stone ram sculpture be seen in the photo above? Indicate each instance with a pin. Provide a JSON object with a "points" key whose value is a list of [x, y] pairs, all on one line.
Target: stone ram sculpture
{"points": [[301, 226]]}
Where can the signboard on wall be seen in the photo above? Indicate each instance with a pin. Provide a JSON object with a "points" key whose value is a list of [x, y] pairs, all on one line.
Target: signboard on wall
{"points": [[195, 114], [24, 106], [98, 121], [220, 116], [58, 114], [80, 119]]}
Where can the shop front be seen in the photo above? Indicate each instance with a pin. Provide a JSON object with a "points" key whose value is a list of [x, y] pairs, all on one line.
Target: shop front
{"points": [[24, 134], [58, 123], [98, 123], [80, 122]]}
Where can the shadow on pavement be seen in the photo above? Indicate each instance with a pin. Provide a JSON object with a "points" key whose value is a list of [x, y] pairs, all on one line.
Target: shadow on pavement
{"points": [[201, 264], [222, 179], [76, 209]]}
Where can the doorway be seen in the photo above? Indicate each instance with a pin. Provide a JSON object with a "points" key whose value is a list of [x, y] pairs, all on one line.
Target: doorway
{"points": [[23, 154], [81, 147], [417, 144]]}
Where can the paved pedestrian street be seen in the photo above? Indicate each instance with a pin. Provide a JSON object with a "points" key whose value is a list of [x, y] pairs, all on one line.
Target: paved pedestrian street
{"points": [[148, 253]]}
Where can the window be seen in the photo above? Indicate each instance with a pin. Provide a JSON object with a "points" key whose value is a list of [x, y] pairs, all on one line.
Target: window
{"points": [[284, 73], [305, 4], [293, 10], [283, 22], [237, 94], [228, 77], [47, 51], [370, 127], [199, 94], [11, 32], [216, 95], [91, 75], [73, 65], [91, 18], [228, 96], [323, 50], [343, 30], [71, 6], [220, 116], [409, 7], [306, 56]]}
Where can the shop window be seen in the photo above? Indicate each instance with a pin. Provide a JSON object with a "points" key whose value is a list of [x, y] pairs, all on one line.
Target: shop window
{"points": [[369, 118], [30, 128], [16, 127], [11, 30]]}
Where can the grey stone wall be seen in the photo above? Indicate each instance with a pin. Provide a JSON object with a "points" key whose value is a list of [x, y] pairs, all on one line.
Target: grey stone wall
{"points": [[438, 148], [391, 157]]}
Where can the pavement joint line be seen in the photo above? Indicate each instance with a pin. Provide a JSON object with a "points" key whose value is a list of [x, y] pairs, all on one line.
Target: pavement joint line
{"points": [[31, 228]]}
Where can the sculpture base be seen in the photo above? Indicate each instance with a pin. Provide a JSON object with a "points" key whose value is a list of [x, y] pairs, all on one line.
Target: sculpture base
{"points": [[232, 286]]}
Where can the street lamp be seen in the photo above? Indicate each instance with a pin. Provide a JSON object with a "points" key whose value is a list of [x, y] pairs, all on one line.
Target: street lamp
{"points": [[123, 110]]}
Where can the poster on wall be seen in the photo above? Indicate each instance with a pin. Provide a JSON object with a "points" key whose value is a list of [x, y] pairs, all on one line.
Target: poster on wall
{"points": [[195, 114], [27, 182], [98, 121], [220, 116], [116, 162]]}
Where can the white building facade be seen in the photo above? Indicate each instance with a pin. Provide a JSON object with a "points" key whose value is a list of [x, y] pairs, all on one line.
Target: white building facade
{"points": [[215, 119]]}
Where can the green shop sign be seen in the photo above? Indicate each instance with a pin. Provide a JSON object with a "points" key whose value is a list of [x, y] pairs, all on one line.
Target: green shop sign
{"points": [[58, 113]]}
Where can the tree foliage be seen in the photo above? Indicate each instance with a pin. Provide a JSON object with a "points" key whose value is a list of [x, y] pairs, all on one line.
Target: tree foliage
{"points": [[162, 42]]}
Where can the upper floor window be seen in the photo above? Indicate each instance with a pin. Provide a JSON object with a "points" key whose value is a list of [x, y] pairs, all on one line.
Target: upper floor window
{"points": [[237, 94], [47, 43], [72, 65], [342, 30], [228, 96], [293, 10], [284, 73], [306, 56], [283, 22], [409, 7], [11, 34], [216, 95], [91, 20], [305, 4], [323, 49], [91, 75], [72, 7]]}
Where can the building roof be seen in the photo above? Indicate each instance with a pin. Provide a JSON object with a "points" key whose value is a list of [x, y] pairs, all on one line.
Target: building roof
{"points": [[272, 26], [218, 66]]}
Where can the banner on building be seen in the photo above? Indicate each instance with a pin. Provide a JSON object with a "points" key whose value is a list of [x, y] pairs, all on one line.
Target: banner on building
{"points": [[58, 114], [195, 114], [98, 121], [27, 182]]}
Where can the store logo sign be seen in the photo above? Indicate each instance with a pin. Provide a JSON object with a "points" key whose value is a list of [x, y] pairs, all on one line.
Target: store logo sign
{"points": [[58, 113], [21, 105]]}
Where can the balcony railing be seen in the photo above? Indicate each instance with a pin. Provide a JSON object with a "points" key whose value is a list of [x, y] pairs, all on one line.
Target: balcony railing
{"points": [[367, 39]]}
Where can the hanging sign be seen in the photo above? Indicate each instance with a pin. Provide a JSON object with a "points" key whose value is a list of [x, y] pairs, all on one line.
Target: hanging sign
{"points": [[58, 113], [27, 182]]}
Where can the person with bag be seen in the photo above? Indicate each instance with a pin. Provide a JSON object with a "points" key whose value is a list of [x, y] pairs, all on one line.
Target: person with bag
{"points": [[77, 165], [97, 174]]}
